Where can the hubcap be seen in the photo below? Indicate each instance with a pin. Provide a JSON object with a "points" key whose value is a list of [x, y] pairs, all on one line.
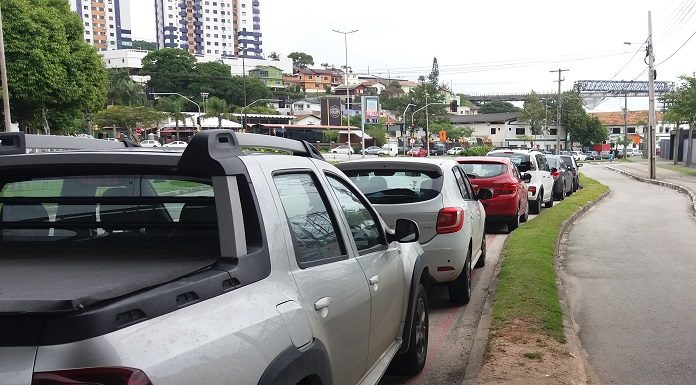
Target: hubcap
{"points": [[421, 329]]}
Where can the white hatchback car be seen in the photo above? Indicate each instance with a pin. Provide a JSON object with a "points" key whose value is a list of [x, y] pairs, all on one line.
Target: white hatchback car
{"points": [[176, 144], [345, 149], [436, 194], [540, 192], [455, 150], [150, 143]]}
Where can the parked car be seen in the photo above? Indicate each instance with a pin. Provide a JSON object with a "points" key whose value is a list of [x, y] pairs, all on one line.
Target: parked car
{"points": [[562, 177], [112, 139], [534, 163], [344, 149], [150, 143], [176, 144], [574, 168], [437, 148], [372, 150], [455, 150], [603, 155], [437, 195], [591, 155], [637, 152], [579, 156], [222, 286], [499, 175], [417, 152]]}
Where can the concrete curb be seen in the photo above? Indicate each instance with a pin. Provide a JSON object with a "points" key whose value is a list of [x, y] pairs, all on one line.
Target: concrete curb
{"points": [[581, 367], [684, 190]]}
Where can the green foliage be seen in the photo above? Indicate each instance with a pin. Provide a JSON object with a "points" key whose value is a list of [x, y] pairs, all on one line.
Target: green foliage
{"points": [[534, 113], [496, 106], [261, 109], [173, 106], [396, 103], [274, 56], [477, 151], [213, 78], [301, 60], [682, 101], [255, 89], [527, 288], [216, 108], [128, 117], [355, 120], [169, 69], [393, 90], [51, 71], [123, 90], [377, 133], [430, 92], [330, 135], [434, 76], [144, 45]]}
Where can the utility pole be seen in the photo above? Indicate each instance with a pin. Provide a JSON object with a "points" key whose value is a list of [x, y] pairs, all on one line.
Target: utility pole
{"points": [[651, 93], [558, 111], [5, 88], [625, 124], [345, 42]]}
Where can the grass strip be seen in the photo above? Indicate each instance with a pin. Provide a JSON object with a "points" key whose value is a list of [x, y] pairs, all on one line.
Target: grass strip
{"points": [[684, 170], [527, 280]]}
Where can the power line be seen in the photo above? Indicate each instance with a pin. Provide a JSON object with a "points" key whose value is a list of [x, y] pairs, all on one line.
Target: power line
{"points": [[678, 49], [628, 62]]}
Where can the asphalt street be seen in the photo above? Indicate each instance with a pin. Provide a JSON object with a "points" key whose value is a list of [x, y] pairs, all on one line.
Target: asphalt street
{"points": [[630, 264]]}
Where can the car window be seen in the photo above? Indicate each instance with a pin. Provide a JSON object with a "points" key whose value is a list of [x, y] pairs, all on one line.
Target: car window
{"points": [[523, 162], [459, 178], [312, 225], [364, 225], [541, 161], [397, 186], [483, 169]]}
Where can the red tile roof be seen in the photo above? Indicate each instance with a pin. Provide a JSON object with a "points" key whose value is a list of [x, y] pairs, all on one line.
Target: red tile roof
{"points": [[617, 118]]}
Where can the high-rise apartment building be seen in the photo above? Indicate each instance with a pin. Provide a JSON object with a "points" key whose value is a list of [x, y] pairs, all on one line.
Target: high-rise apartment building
{"points": [[106, 23], [223, 28]]}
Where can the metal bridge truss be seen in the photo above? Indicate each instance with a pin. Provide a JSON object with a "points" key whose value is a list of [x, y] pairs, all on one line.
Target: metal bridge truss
{"points": [[614, 88]]}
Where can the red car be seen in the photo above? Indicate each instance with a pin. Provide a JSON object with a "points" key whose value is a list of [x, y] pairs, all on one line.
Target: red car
{"points": [[418, 152], [500, 175]]}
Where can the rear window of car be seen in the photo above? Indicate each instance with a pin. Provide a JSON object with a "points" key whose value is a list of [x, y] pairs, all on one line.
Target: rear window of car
{"points": [[126, 211], [568, 160], [553, 162], [397, 186], [522, 161], [483, 169]]}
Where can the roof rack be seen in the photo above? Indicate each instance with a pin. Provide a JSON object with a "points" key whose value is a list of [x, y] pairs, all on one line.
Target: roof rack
{"points": [[20, 143]]}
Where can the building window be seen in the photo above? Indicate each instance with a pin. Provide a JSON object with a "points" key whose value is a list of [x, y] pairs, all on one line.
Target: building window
{"points": [[631, 130], [616, 130], [492, 130], [519, 131], [553, 131]]}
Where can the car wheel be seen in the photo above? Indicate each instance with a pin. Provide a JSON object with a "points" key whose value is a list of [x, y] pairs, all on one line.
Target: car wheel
{"points": [[537, 204], [482, 259], [513, 223], [460, 288], [549, 204], [525, 216], [413, 360]]}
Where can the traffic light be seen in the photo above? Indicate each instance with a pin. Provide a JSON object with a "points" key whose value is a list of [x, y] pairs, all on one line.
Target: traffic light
{"points": [[453, 106]]}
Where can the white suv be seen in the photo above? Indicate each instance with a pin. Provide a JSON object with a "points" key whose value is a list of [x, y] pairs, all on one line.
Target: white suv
{"points": [[534, 163]]}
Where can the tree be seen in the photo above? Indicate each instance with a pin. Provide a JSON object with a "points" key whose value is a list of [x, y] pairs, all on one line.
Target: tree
{"points": [[170, 70], [173, 107], [330, 135], [573, 117], [53, 74], [216, 108], [274, 56], [376, 131], [123, 90], [214, 78], [496, 107], [534, 114], [393, 90], [144, 45], [434, 76], [261, 109], [128, 117], [429, 92], [255, 89], [301, 60], [682, 103]]}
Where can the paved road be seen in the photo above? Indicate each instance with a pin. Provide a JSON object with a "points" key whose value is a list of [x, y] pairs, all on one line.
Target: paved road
{"points": [[631, 266]]}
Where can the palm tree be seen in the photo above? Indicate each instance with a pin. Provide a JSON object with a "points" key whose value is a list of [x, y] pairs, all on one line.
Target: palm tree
{"points": [[173, 107], [216, 108]]}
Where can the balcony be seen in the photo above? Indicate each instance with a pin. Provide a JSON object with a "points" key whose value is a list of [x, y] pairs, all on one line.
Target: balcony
{"points": [[255, 3], [257, 19]]}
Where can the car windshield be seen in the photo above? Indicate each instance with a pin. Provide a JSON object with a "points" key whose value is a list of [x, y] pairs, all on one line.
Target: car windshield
{"points": [[522, 161], [153, 211], [553, 162], [397, 186], [483, 170]]}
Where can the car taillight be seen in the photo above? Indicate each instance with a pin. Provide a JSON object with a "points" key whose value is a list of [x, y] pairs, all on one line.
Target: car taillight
{"points": [[532, 189], [450, 220], [92, 376], [555, 175], [507, 189]]}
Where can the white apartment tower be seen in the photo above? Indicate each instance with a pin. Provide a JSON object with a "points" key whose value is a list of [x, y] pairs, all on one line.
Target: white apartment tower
{"points": [[222, 28], [106, 23]]}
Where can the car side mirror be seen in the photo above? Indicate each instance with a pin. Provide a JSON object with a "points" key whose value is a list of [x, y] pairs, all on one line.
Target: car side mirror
{"points": [[554, 169], [484, 194], [405, 231], [526, 177]]}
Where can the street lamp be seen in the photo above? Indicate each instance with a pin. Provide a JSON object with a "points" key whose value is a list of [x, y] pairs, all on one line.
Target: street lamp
{"points": [[251, 104], [427, 123], [5, 88], [204, 96], [182, 96], [345, 42], [404, 133]]}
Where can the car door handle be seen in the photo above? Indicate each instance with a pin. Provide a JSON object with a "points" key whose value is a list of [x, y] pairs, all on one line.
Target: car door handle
{"points": [[374, 280], [322, 303]]}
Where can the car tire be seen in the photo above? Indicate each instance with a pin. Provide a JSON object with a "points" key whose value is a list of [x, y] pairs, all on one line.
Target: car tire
{"points": [[525, 216], [482, 259], [460, 288], [413, 360], [537, 204], [513, 223], [549, 204]]}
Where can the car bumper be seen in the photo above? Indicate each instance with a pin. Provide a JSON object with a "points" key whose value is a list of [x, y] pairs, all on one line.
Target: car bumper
{"points": [[501, 205], [444, 255]]}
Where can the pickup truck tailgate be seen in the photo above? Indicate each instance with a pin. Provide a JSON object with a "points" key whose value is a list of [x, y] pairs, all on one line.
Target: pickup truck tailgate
{"points": [[17, 365]]}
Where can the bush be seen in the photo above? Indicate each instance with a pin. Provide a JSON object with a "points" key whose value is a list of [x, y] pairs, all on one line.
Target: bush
{"points": [[476, 151]]}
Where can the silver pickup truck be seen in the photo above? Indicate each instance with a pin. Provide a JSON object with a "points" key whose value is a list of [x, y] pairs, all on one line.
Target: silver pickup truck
{"points": [[132, 266]]}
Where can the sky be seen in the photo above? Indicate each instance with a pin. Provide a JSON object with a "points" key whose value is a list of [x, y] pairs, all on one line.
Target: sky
{"points": [[484, 46]]}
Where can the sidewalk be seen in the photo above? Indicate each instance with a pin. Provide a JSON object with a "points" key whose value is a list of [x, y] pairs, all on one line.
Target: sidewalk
{"points": [[640, 168]]}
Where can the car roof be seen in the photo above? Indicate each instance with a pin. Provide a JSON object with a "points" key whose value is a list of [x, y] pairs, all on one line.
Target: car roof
{"points": [[487, 159]]}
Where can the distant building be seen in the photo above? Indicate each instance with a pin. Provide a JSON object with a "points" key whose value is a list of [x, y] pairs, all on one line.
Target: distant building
{"points": [[106, 25], [223, 28], [636, 126], [316, 80], [503, 129], [272, 76]]}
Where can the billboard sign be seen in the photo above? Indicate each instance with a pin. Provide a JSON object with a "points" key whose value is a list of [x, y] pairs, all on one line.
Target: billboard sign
{"points": [[331, 112], [371, 108]]}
